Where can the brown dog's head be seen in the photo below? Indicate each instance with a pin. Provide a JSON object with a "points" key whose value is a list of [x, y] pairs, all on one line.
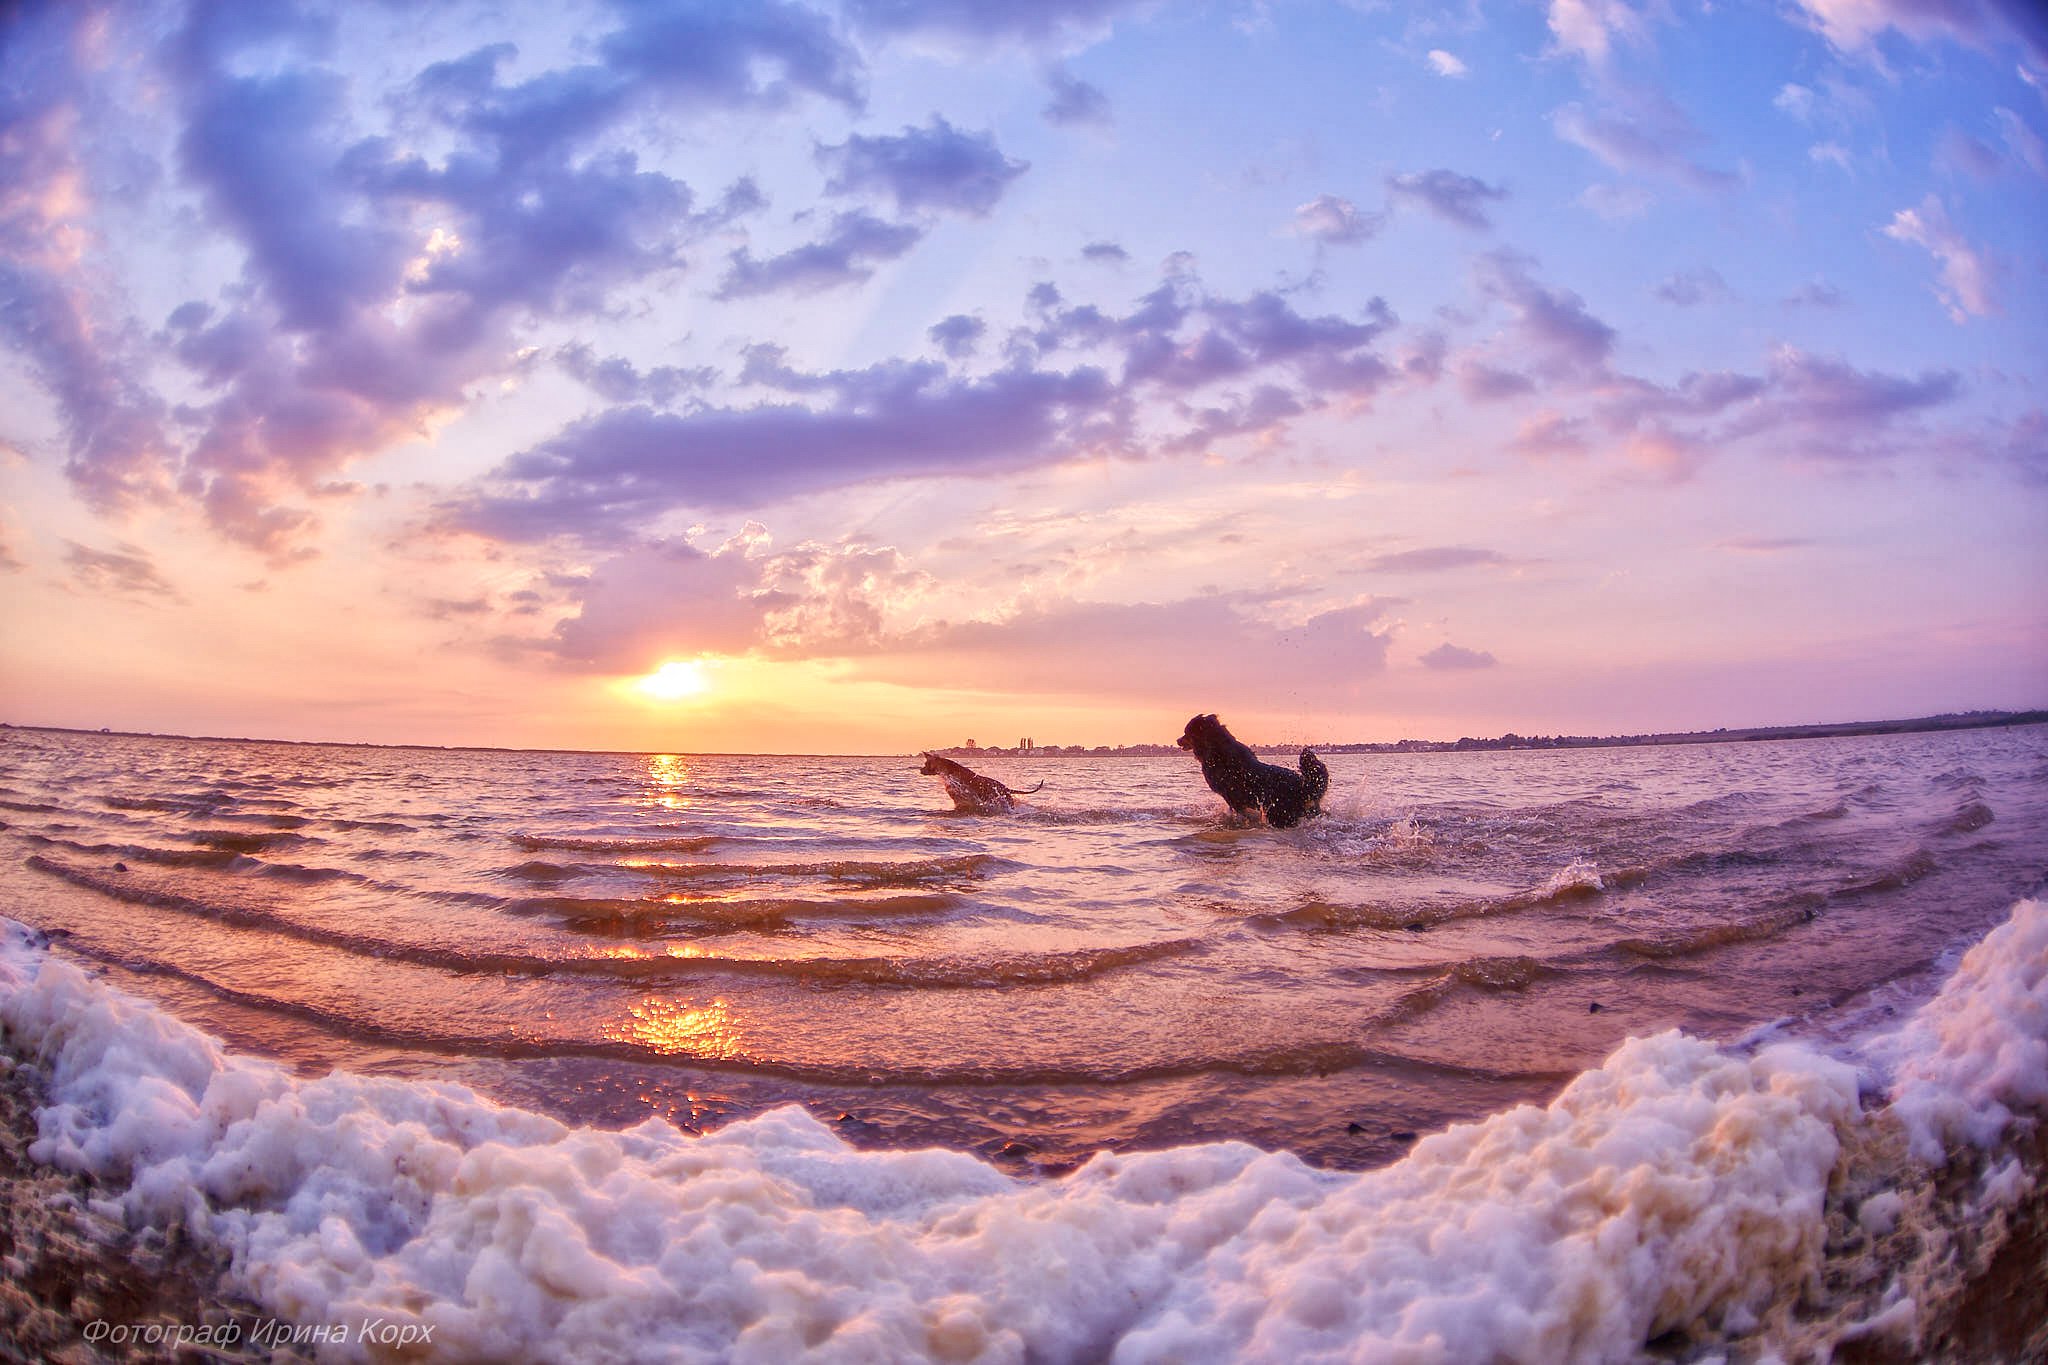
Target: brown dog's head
{"points": [[931, 766], [1199, 731]]}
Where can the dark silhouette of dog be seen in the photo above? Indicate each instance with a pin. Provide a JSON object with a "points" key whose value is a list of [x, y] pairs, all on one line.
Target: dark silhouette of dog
{"points": [[1235, 773], [971, 792]]}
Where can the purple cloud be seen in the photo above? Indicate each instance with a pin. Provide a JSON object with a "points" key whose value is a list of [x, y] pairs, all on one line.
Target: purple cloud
{"points": [[978, 22], [122, 572], [1549, 433], [1336, 221], [1554, 323], [1231, 652], [848, 254], [1690, 288], [1765, 545], [1435, 559], [1451, 657], [1074, 103], [933, 167], [603, 475], [619, 381], [1489, 384], [957, 335], [1815, 294], [1643, 132], [1455, 198], [380, 284], [1852, 25], [1105, 253]]}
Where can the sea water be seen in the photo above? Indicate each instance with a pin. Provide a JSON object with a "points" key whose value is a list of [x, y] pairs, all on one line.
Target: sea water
{"points": [[540, 975]]}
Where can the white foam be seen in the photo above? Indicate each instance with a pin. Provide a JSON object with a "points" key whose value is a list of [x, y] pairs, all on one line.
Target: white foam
{"points": [[1580, 875], [1678, 1184], [1978, 1051]]}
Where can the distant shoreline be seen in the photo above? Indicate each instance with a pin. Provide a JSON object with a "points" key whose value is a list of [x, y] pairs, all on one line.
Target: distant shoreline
{"points": [[1965, 720]]}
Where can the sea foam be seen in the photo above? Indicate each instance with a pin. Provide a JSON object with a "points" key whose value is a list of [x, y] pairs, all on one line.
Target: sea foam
{"points": [[1680, 1185]]}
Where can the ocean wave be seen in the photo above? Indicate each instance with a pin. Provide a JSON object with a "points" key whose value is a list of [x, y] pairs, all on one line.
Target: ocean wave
{"points": [[1968, 818], [635, 917], [1692, 940], [992, 971], [1901, 874], [1677, 1187], [578, 843]]}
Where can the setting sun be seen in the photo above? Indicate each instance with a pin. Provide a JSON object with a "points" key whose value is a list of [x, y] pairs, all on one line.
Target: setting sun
{"points": [[675, 680]]}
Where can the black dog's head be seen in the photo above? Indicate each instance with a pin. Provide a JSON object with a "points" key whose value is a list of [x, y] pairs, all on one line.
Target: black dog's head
{"points": [[931, 766], [1201, 731]]}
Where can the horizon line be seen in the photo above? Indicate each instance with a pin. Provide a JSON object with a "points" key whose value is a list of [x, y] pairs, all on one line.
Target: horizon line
{"points": [[1642, 738]]}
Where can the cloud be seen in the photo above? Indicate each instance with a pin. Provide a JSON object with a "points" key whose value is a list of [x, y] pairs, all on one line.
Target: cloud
{"points": [[1765, 545], [1802, 404], [1446, 65], [935, 167], [665, 599], [1588, 28], [1435, 559], [865, 604], [56, 317], [125, 571], [957, 335], [1452, 197], [1074, 103], [1336, 221], [1690, 288], [1548, 433], [2022, 141], [1490, 384], [1105, 253], [604, 475], [1553, 323], [619, 381], [1854, 25], [1240, 655], [1642, 132], [1448, 656], [849, 253], [1795, 100], [1830, 154], [1617, 203], [1145, 389], [975, 23], [1829, 395], [1956, 151], [1966, 285], [382, 277], [1815, 294]]}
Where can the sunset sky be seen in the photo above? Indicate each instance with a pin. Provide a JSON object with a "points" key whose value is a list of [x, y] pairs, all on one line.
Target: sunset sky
{"points": [[785, 377]]}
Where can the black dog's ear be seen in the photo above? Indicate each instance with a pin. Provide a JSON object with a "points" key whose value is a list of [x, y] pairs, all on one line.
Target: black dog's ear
{"points": [[1211, 718]]}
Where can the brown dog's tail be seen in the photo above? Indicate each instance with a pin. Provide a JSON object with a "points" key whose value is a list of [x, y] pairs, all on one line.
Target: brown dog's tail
{"points": [[1026, 792]]}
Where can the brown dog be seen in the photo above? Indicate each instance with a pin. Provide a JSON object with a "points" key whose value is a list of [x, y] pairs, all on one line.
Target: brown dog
{"points": [[970, 790]]}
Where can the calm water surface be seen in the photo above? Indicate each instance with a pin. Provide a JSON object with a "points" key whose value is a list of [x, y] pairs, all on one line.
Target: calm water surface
{"points": [[1120, 964]]}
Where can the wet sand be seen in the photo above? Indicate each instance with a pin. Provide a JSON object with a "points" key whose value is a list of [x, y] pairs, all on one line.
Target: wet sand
{"points": [[64, 1266]]}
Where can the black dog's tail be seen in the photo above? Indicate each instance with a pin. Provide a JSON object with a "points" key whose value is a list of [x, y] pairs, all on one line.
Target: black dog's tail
{"points": [[1315, 775], [1026, 792]]}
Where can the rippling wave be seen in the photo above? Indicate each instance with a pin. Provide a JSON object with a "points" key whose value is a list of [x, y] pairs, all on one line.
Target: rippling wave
{"points": [[1120, 962]]}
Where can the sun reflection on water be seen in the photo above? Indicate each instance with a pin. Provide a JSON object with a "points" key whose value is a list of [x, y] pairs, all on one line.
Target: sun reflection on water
{"points": [[675, 1029], [668, 774]]}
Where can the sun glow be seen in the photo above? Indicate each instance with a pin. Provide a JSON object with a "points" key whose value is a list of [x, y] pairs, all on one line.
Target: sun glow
{"points": [[674, 681]]}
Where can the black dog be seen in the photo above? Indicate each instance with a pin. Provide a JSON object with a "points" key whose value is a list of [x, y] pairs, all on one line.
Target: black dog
{"points": [[1235, 773]]}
